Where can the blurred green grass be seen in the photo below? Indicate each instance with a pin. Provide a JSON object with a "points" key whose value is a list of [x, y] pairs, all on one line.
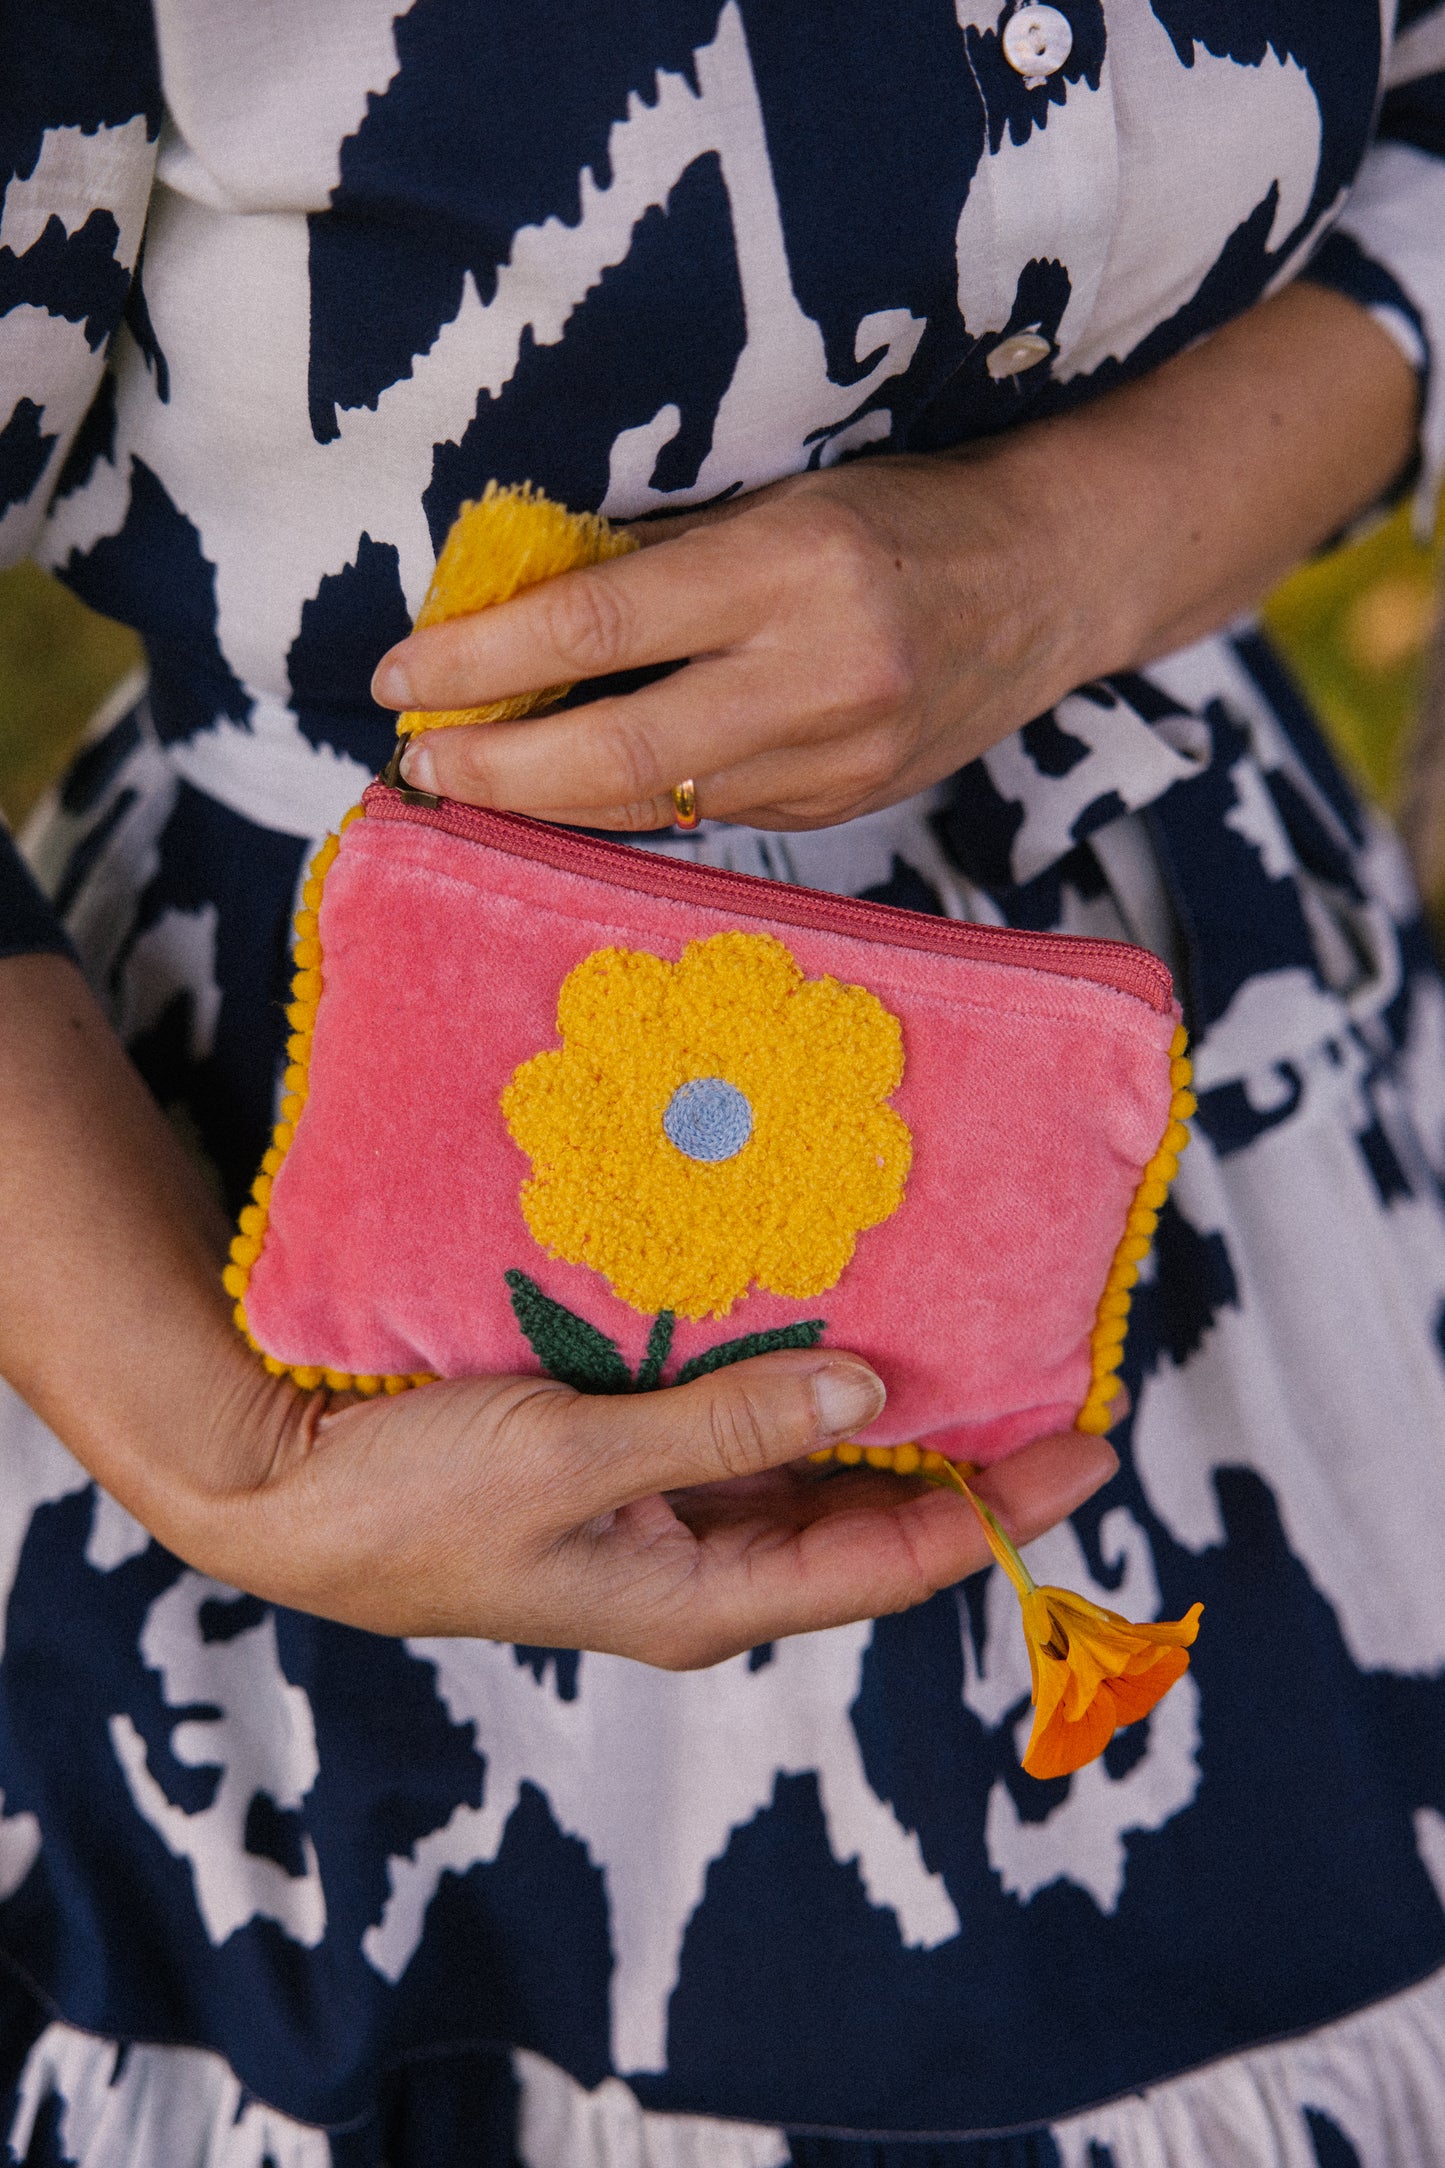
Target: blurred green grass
{"points": [[1355, 626]]}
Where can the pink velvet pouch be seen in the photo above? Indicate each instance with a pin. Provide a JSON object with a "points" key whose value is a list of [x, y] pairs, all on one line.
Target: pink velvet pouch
{"points": [[564, 1105]]}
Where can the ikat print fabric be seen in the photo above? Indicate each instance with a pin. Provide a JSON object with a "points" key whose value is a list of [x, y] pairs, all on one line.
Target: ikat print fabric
{"points": [[282, 286]]}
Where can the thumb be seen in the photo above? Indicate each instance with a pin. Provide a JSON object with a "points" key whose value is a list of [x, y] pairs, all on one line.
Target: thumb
{"points": [[739, 1421]]}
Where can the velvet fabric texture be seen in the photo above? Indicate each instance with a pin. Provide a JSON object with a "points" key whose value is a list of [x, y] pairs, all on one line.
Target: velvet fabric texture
{"points": [[1034, 1100]]}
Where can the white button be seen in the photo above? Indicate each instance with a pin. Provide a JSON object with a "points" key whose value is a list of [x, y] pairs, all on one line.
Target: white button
{"points": [[1015, 354], [1037, 41]]}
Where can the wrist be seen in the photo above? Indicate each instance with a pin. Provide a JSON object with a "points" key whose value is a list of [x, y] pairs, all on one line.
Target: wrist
{"points": [[114, 1325], [1175, 502], [1050, 558], [186, 1439]]}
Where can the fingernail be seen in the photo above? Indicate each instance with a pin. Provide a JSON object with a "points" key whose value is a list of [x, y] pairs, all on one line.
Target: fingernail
{"points": [[847, 1397], [390, 685], [419, 768]]}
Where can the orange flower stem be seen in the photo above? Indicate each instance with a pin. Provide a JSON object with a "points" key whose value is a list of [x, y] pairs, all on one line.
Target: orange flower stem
{"points": [[1003, 1549]]}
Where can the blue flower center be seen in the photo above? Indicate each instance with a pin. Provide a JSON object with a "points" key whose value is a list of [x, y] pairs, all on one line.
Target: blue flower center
{"points": [[708, 1119]]}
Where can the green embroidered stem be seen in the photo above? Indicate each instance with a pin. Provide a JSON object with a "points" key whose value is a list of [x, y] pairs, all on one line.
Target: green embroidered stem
{"points": [[805, 1334], [566, 1346], [659, 1347], [577, 1354]]}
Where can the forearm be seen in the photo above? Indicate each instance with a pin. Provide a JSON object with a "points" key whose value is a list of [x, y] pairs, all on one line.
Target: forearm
{"points": [[1198, 487], [113, 1323]]}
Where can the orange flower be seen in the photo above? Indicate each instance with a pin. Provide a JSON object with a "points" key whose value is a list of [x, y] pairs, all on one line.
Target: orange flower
{"points": [[1092, 1672]]}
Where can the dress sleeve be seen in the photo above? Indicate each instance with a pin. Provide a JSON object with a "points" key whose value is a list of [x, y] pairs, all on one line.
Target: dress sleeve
{"points": [[79, 116], [1385, 251]]}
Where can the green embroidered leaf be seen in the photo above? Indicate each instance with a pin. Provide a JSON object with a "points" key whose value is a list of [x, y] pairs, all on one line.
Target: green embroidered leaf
{"points": [[567, 1347], [805, 1334], [659, 1347]]}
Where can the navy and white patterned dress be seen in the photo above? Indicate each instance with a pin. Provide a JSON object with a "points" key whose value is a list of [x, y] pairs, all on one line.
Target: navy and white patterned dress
{"points": [[282, 284]]}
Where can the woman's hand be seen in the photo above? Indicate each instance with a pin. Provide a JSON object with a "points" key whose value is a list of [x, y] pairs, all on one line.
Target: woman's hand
{"points": [[859, 633], [855, 634], [676, 1527]]}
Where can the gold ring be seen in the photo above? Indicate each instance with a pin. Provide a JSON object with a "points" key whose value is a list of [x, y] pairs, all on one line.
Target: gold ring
{"points": [[684, 799]]}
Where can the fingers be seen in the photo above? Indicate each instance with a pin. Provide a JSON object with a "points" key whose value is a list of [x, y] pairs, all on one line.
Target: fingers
{"points": [[759, 735], [868, 1549], [618, 753], [1045, 1482], [688, 596], [740, 1421], [800, 697], [758, 1583]]}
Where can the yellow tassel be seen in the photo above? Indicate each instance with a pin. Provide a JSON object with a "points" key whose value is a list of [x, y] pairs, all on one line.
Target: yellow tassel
{"points": [[509, 539]]}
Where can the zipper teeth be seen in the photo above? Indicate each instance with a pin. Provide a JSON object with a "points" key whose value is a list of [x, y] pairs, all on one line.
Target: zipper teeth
{"points": [[1117, 964]]}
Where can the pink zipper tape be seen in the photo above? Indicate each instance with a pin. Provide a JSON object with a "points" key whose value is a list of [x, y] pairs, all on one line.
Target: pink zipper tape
{"points": [[1117, 964]]}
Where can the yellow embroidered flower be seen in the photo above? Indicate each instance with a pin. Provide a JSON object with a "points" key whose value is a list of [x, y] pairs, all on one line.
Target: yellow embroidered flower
{"points": [[710, 1123]]}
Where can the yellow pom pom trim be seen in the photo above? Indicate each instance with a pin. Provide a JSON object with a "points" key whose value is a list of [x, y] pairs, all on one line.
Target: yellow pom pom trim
{"points": [[908, 1459], [509, 539], [306, 988], [1111, 1323]]}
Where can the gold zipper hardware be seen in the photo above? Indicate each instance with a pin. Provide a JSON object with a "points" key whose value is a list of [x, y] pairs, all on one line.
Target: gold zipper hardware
{"points": [[391, 776]]}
